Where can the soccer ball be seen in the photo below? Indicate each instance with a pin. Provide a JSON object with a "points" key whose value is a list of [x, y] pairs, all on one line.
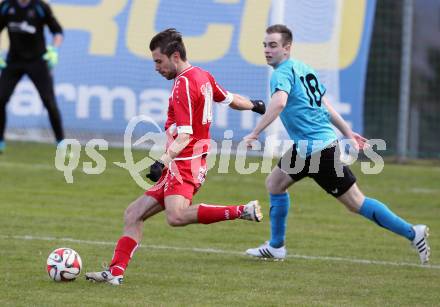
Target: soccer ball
{"points": [[64, 264]]}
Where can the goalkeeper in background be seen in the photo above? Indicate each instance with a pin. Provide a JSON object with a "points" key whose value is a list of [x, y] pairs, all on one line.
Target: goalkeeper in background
{"points": [[28, 55]]}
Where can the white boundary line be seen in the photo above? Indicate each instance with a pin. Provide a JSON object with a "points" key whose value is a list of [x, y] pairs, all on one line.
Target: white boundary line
{"points": [[219, 251], [35, 166], [49, 167]]}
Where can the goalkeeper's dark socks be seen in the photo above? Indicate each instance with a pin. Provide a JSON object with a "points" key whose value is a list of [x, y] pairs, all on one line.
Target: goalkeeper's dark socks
{"points": [[379, 213], [208, 214], [279, 208], [124, 250]]}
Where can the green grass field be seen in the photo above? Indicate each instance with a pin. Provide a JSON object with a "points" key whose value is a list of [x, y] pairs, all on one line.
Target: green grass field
{"points": [[336, 258]]}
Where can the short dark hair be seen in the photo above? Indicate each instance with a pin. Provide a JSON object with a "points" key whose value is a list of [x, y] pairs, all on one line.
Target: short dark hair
{"points": [[169, 41], [285, 32]]}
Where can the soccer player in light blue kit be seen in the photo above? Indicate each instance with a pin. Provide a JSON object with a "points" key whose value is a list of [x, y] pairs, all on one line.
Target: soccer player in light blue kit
{"points": [[298, 98]]}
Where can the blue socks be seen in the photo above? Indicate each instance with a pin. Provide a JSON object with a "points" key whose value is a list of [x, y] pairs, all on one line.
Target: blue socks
{"points": [[2, 146], [279, 208], [379, 213], [372, 209]]}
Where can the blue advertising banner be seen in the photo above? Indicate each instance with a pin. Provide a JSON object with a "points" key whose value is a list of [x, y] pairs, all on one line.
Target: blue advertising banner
{"points": [[105, 75]]}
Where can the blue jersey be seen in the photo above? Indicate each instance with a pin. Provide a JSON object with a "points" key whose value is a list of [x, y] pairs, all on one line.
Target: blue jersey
{"points": [[305, 118]]}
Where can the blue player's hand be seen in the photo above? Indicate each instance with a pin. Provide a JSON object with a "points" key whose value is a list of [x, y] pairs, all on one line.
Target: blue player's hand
{"points": [[360, 141], [250, 139]]}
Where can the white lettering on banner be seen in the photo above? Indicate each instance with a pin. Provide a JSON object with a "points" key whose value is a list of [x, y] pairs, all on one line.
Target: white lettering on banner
{"points": [[247, 120], [153, 103], [28, 102], [150, 102], [221, 119], [106, 97], [67, 91]]}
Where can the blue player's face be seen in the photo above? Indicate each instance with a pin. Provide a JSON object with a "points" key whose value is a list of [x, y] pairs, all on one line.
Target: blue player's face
{"points": [[274, 50], [166, 66]]}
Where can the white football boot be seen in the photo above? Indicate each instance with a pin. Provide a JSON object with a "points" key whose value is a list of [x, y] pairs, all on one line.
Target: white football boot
{"points": [[420, 242], [105, 276], [252, 212], [266, 251]]}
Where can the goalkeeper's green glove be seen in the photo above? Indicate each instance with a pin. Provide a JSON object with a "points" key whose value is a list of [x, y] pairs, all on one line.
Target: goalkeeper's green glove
{"points": [[3, 63], [51, 56]]}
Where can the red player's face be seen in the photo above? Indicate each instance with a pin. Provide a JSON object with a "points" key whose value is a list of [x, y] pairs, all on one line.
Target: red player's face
{"points": [[274, 50], [166, 66]]}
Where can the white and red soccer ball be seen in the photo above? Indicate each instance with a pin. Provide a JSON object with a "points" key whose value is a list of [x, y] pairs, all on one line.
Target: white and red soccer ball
{"points": [[64, 264]]}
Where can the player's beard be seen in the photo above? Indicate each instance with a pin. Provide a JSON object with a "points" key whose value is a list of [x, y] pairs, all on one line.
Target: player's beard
{"points": [[170, 76], [172, 72]]}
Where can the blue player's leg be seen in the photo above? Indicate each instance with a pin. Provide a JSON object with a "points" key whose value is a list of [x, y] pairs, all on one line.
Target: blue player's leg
{"points": [[380, 214], [276, 183], [279, 209]]}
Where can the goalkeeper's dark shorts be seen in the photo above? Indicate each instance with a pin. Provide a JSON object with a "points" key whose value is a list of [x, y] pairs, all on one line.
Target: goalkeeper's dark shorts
{"points": [[325, 167]]}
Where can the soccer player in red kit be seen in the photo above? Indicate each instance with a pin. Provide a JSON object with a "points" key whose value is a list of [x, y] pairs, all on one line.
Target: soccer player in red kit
{"points": [[181, 170]]}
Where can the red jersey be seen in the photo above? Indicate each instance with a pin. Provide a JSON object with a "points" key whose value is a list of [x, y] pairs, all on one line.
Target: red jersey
{"points": [[190, 109]]}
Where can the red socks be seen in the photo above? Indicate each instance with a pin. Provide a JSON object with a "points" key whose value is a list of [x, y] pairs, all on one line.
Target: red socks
{"points": [[124, 250], [208, 214]]}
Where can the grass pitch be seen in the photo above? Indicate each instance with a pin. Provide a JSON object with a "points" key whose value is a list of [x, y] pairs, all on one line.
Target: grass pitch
{"points": [[336, 258]]}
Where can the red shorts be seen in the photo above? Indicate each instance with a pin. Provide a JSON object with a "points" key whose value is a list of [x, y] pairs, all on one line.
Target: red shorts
{"points": [[184, 177]]}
